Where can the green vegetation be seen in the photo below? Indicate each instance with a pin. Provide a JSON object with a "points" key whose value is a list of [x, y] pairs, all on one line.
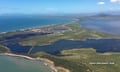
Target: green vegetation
{"points": [[3, 49], [77, 33], [89, 55], [78, 60], [72, 66]]}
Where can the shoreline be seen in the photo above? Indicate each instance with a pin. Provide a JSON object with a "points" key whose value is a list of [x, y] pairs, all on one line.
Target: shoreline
{"points": [[29, 28], [46, 61], [40, 26]]}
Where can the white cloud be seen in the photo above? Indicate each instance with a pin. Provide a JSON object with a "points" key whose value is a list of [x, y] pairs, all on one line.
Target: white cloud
{"points": [[101, 3], [115, 1]]}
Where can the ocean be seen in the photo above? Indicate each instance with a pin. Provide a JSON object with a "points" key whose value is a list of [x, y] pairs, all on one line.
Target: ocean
{"points": [[18, 64], [12, 23]]}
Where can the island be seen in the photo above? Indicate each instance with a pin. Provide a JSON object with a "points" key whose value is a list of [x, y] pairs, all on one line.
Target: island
{"points": [[65, 47]]}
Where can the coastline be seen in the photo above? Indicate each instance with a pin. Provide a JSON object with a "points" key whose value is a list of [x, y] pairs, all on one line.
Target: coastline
{"points": [[29, 28], [40, 26], [47, 62]]}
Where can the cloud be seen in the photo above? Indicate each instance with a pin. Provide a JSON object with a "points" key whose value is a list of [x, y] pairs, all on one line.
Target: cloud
{"points": [[101, 3], [115, 1]]}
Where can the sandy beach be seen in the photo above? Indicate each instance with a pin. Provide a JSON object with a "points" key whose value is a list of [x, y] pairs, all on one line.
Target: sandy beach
{"points": [[46, 61]]}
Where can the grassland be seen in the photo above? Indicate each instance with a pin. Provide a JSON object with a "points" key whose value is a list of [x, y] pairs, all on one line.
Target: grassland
{"points": [[77, 33], [89, 55], [72, 66], [78, 60]]}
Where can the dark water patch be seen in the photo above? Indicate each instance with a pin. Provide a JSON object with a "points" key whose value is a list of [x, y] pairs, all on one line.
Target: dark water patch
{"points": [[16, 48], [21, 36], [15, 38], [101, 45]]}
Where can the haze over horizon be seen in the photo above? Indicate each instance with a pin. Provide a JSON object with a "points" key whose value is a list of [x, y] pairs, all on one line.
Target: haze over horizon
{"points": [[57, 7]]}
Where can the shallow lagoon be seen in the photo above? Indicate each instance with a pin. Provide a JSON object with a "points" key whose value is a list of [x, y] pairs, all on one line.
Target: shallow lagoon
{"points": [[102, 25], [18, 64]]}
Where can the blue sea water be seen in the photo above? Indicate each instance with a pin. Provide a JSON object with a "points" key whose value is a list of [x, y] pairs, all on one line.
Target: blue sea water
{"points": [[11, 23]]}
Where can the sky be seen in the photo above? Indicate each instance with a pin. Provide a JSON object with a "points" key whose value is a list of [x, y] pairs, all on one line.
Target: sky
{"points": [[57, 6]]}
